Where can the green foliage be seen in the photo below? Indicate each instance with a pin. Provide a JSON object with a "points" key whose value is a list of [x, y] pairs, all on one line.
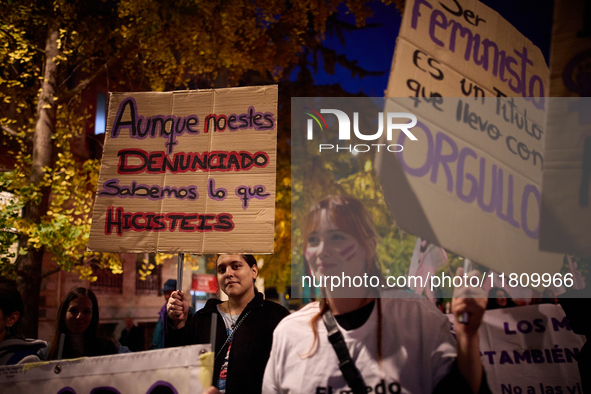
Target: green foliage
{"points": [[8, 236], [64, 229]]}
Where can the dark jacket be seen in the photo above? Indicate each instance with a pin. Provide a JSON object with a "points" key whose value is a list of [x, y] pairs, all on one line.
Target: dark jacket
{"points": [[251, 345], [133, 339], [97, 347], [16, 350], [158, 338], [93, 347]]}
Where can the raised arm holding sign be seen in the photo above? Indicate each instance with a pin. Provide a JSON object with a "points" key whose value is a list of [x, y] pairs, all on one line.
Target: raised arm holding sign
{"points": [[244, 325]]}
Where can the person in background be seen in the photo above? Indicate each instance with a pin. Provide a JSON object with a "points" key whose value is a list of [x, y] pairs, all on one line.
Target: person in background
{"points": [[132, 336], [498, 298], [14, 348], [159, 332], [549, 297], [245, 325], [439, 304], [447, 308], [78, 320], [575, 304]]}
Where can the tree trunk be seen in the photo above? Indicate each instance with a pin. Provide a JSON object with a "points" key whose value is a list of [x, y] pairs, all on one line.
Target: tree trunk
{"points": [[29, 268]]}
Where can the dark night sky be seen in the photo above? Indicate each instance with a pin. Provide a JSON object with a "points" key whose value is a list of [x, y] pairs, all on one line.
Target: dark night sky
{"points": [[373, 48]]}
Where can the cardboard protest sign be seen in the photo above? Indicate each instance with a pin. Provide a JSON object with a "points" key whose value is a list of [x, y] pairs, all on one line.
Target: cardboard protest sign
{"points": [[566, 197], [530, 349], [484, 54], [187, 369], [571, 47], [471, 182], [188, 171]]}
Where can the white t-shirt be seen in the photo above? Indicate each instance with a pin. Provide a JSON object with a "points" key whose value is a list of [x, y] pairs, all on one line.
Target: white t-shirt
{"points": [[418, 350]]}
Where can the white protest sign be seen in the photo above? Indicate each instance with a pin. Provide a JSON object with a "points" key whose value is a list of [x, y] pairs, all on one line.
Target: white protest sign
{"points": [[472, 181], [566, 197], [484, 55], [165, 371], [530, 349], [188, 171]]}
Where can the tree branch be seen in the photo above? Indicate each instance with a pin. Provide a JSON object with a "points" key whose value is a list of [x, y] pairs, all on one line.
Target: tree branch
{"points": [[15, 42], [80, 87], [13, 133], [10, 131], [87, 261], [10, 230], [84, 83], [48, 273]]}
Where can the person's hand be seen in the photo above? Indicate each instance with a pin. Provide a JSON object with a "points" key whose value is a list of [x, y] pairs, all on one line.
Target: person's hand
{"points": [[211, 390], [177, 308], [470, 301]]}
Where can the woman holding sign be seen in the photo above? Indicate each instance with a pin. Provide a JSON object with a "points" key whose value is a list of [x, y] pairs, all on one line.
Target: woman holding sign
{"points": [[364, 338], [245, 325]]}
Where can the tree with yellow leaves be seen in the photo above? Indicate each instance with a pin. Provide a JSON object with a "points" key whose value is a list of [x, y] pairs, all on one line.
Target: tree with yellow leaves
{"points": [[53, 49]]}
